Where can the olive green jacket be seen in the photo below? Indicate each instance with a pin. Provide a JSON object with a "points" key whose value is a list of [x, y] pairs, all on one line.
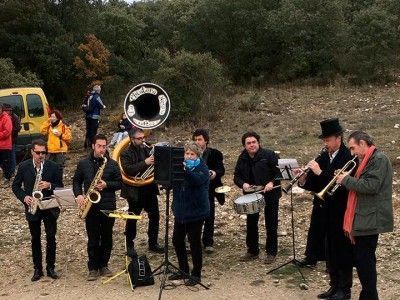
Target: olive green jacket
{"points": [[374, 210]]}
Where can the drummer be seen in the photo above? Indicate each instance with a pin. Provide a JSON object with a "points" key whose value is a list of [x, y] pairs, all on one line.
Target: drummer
{"points": [[257, 166]]}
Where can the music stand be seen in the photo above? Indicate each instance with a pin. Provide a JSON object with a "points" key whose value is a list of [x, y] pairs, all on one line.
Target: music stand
{"points": [[165, 267], [286, 166], [124, 215]]}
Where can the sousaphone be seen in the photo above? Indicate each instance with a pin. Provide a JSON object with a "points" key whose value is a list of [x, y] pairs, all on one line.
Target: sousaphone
{"points": [[146, 106]]}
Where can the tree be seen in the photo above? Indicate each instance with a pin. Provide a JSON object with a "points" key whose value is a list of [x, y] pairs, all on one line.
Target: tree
{"points": [[193, 82], [93, 61], [10, 78]]}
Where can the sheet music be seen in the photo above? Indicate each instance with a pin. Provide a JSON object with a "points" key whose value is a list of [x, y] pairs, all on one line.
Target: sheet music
{"points": [[287, 164], [65, 196]]}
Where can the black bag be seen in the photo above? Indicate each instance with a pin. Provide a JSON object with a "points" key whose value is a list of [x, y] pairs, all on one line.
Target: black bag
{"points": [[140, 271]]}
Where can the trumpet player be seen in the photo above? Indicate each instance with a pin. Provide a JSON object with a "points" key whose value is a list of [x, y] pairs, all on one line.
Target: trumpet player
{"points": [[369, 210], [22, 187], [135, 160], [99, 227], [327, 215]]}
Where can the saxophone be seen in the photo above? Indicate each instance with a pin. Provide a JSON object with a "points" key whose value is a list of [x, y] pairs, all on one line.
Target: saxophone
{"points": [[37, 194], [92, 196]]}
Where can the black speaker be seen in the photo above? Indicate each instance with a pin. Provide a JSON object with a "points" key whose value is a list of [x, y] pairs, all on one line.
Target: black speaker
{"points": [[168, 165]]}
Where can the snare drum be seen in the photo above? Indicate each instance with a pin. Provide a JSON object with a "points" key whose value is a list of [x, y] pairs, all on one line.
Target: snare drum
{"points": [[249, 204]]}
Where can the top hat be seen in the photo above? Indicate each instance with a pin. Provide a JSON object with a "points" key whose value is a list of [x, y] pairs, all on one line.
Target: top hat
{"points": [[330, 127]]}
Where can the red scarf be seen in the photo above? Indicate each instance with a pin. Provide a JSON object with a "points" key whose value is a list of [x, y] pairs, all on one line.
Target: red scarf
{"points": [[352, 198]]}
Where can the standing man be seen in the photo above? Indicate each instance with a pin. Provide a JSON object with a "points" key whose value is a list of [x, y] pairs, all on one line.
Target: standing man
{"points": [[327, 215], [214, 161], [369, 209], [258, 166], [135, 160], [92, 111], [16, 127], [99, 227], [22, 188], [5, 146]]}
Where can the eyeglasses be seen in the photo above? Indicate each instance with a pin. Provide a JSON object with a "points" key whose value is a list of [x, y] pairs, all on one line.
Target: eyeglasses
{"points": [[40, 152], [139, 138]]}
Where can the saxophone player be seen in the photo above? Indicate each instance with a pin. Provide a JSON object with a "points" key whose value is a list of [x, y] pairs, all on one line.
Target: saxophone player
{"points": [[23, 187], [99, 227]]}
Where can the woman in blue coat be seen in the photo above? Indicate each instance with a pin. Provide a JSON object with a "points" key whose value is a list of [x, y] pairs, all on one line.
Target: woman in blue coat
{"points": [[190, 207]]}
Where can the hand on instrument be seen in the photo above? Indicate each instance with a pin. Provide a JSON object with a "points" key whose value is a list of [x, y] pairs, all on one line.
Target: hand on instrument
{"points": [[80, 200], [28, 200], [212, 174], [44, 185], [340, 177], [268, 187], [101, 185], [149, 160], [246, 186], [314, 167], [297, 171]]}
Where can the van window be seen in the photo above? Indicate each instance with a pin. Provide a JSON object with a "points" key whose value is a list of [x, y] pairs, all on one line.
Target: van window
{"points": [[16, 103], [35, 106]]}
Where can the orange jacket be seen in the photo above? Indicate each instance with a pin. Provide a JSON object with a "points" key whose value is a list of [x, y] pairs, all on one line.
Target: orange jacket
{"points": [[57, 144]]}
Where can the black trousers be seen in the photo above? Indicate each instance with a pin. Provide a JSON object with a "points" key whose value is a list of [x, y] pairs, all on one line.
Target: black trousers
{"points": [[50, 227], [5, 163], [315, 248], [99, 229], [365, 262], [271, 225], [193, 231], [91, 130], [208, 231], [148, 203]]}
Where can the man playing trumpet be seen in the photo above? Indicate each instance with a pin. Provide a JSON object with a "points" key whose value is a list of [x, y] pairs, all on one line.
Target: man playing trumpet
{"points": [[23, 187], [369, 210], [327, 215], [99, 227]]}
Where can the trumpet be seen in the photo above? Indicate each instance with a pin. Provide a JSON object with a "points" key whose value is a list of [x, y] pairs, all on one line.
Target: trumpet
{"points": [[305, 171], [332, 186]]}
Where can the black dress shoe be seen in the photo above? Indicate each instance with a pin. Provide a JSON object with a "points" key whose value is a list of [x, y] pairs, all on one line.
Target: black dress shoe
{"points": [[327, 294], [307, 263], [340, 295], [157, 248], [52, 273], [37, 274]]}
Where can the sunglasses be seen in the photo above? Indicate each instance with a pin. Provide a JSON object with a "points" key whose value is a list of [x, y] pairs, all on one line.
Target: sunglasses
{"points": [[139, 138], [40, 152]]}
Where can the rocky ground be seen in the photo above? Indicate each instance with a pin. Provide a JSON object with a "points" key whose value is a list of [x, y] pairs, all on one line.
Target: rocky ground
{"points": [[287, 119]]}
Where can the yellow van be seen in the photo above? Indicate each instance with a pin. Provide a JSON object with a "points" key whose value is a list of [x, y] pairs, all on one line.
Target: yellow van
{"points": [[31, 105]]}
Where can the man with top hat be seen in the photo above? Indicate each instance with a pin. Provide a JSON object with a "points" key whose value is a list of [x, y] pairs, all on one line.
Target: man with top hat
{"points": [[327, 215]]}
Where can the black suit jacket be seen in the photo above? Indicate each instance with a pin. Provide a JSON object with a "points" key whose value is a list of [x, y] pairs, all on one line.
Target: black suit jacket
{"points": [[214, 160], [25, 179]]}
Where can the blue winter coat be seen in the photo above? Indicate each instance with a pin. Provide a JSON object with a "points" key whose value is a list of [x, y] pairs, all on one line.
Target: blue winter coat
{"points": [[95, 105], [190, 202]]}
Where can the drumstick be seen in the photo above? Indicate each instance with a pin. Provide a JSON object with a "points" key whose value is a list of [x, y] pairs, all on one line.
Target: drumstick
{"points": [[262, 191]]}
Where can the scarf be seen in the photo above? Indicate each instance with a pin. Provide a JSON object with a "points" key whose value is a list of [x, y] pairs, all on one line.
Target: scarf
{"points": [[352, 198]]}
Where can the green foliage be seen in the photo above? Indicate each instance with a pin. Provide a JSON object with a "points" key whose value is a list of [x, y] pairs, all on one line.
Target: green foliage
{"points": [[193, 82], [254, 41], [251, 103], [372, 46], [10, 78]]}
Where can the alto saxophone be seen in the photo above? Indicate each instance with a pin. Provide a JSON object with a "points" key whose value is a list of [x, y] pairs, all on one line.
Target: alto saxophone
{"points": [[37, 194], [92, 196]]}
